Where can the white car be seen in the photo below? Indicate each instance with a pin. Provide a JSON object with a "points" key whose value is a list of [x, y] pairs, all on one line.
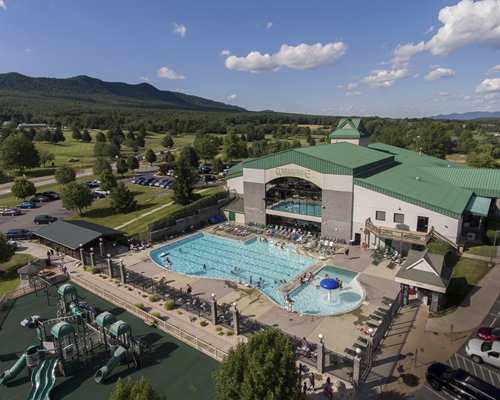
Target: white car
{"points": [[102, 191], [484, 351]]}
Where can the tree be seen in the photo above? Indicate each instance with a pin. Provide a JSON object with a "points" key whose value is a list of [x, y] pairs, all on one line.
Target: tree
{"points": [[140, 140], [108, 180], [101, 164], [133, 163], [218, 165], [262, 368], [57, 136], [122, 199], [65, 175], [169, 158], [77, 135], [205, 147], [232, 147], [106, 150], [186, 178], [86, 136], [76, 196], [100, 137], [190, 154], [167, 141], [23, 188], [121, 166], [17, 150], [482, 157], [150, 157], [140, 390], [435, 140], [46, 156], [6, 250]]}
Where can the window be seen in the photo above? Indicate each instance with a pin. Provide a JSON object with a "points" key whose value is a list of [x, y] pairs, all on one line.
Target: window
{"points": [[380, 215], [399, 218]]}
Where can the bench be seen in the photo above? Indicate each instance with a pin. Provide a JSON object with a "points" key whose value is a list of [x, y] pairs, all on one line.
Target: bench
{"points": [[150, 321]]}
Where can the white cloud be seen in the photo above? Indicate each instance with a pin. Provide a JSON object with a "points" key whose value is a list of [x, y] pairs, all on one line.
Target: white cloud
{"points": [[488, 86], [269, 25], [180, 29], [225, 53], [351, 86], [302, 56], [403, 52], [27, 50], [385, 78], [2, 4], [439, 73], [232, 96], [468, 22], [494, 70], [167, 73], [144, 79], [353, 93], [430, 29]]}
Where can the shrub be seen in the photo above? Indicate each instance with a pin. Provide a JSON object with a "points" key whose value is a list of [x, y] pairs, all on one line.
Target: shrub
{"points": [[221, 333], [169, 304], [92, 270], [153, 297], [129, 289], [156, 314], [139, 306], [439, 247], [218, 328], [144, 295], [229, 333], [203, 323]]}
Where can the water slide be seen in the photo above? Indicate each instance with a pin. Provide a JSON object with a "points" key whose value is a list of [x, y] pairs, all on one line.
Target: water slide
{"points": [[11, 373], [43, 379], [119, 355]]}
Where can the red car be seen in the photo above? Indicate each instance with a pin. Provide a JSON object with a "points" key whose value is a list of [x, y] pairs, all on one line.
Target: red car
{"points": [[487, 333]]}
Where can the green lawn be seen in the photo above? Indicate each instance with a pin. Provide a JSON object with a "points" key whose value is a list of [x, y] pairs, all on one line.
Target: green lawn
{"points": [[9, 279], [487, 248], [466, 274]]}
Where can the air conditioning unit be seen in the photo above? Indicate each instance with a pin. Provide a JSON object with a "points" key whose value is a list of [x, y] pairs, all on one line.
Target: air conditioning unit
{"points": [[471, 236]]}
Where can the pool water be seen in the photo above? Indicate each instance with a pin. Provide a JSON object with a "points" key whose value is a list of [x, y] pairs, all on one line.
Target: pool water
{"points": [[299, 208], [209, 256], [314, 300]]}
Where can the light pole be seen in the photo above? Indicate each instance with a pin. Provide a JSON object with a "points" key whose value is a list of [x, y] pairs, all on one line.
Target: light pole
{"points": [[494, 251]]}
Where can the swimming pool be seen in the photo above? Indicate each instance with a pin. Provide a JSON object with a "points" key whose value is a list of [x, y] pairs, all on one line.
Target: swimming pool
{"points": [[209, 256], [299, 208]]}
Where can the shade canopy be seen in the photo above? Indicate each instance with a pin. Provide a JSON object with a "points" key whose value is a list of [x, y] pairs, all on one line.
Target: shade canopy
{"points": [[329, 284]]}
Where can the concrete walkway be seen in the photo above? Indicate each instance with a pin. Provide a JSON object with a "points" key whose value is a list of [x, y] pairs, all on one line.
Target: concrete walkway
{"points": [[473, 308]]}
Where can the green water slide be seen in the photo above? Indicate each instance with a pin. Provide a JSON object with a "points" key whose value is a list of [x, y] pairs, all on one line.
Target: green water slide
{"points": [[43, 379], [119, 355], [11, 373]]}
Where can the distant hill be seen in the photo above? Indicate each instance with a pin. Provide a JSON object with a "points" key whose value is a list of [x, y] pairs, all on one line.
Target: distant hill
{"points": [[79, 92], [469, 115]]}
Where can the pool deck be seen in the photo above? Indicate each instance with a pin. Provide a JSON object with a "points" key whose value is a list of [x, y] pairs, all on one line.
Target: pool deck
{"points": [[340, 332]]}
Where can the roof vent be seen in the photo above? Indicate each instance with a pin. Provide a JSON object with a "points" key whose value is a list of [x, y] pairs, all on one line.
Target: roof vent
{"points": [[417, 178]]}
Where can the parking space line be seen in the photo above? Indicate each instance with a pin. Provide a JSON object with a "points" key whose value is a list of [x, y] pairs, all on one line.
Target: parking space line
{"points": [[451, 361], [458, 362], [494, 378], [493, 323]]}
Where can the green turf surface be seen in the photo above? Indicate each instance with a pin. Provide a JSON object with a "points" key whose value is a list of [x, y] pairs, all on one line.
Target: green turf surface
{"points": [[173, 368]]}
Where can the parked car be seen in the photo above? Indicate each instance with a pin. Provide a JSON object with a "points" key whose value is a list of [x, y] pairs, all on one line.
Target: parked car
{"points": [[44, 219], [92, 184], [488, 333], [159, 182], [16, 234], [96, 196], [12, 243], [40, 198], [137, 178], [11, 212], [152, 183], [459, 383], [27, 204], [484, 351], [102, 191], [169, 183], [146, 182], [52, 195], [165, 183]]}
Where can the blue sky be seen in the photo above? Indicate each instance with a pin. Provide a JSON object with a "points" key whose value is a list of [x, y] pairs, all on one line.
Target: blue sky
{"points": [[396, 58]]}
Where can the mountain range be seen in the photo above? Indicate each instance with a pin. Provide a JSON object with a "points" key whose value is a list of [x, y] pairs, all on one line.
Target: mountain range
{"points": [[17, 90], [469, 115]]}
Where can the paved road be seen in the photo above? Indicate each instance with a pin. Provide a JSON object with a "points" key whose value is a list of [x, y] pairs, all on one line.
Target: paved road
{"points": [[460, 360]]}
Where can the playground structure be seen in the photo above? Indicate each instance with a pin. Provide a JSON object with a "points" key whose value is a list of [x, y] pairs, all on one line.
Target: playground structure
{"points": [[71, 342]]}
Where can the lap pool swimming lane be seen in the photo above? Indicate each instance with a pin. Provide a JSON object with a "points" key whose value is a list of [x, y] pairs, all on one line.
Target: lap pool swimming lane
{"points": [[209, 256]]}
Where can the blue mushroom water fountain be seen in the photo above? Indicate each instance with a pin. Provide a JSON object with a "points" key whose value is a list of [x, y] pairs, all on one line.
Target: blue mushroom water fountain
{"points": [[329, 284]]}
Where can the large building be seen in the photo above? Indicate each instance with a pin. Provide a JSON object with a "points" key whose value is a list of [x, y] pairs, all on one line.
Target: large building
{"points": [[376, 194]]}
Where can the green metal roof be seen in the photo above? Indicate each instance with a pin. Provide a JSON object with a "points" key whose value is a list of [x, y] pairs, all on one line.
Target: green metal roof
{"points": [[73, 233], [335, 158], [479, 206], [415, 186], [484, 182], [440, 278], [236, 170], [349, 128]]}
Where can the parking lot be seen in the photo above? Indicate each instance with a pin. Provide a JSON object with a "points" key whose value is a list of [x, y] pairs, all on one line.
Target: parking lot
{"points": [[460, 359]]}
